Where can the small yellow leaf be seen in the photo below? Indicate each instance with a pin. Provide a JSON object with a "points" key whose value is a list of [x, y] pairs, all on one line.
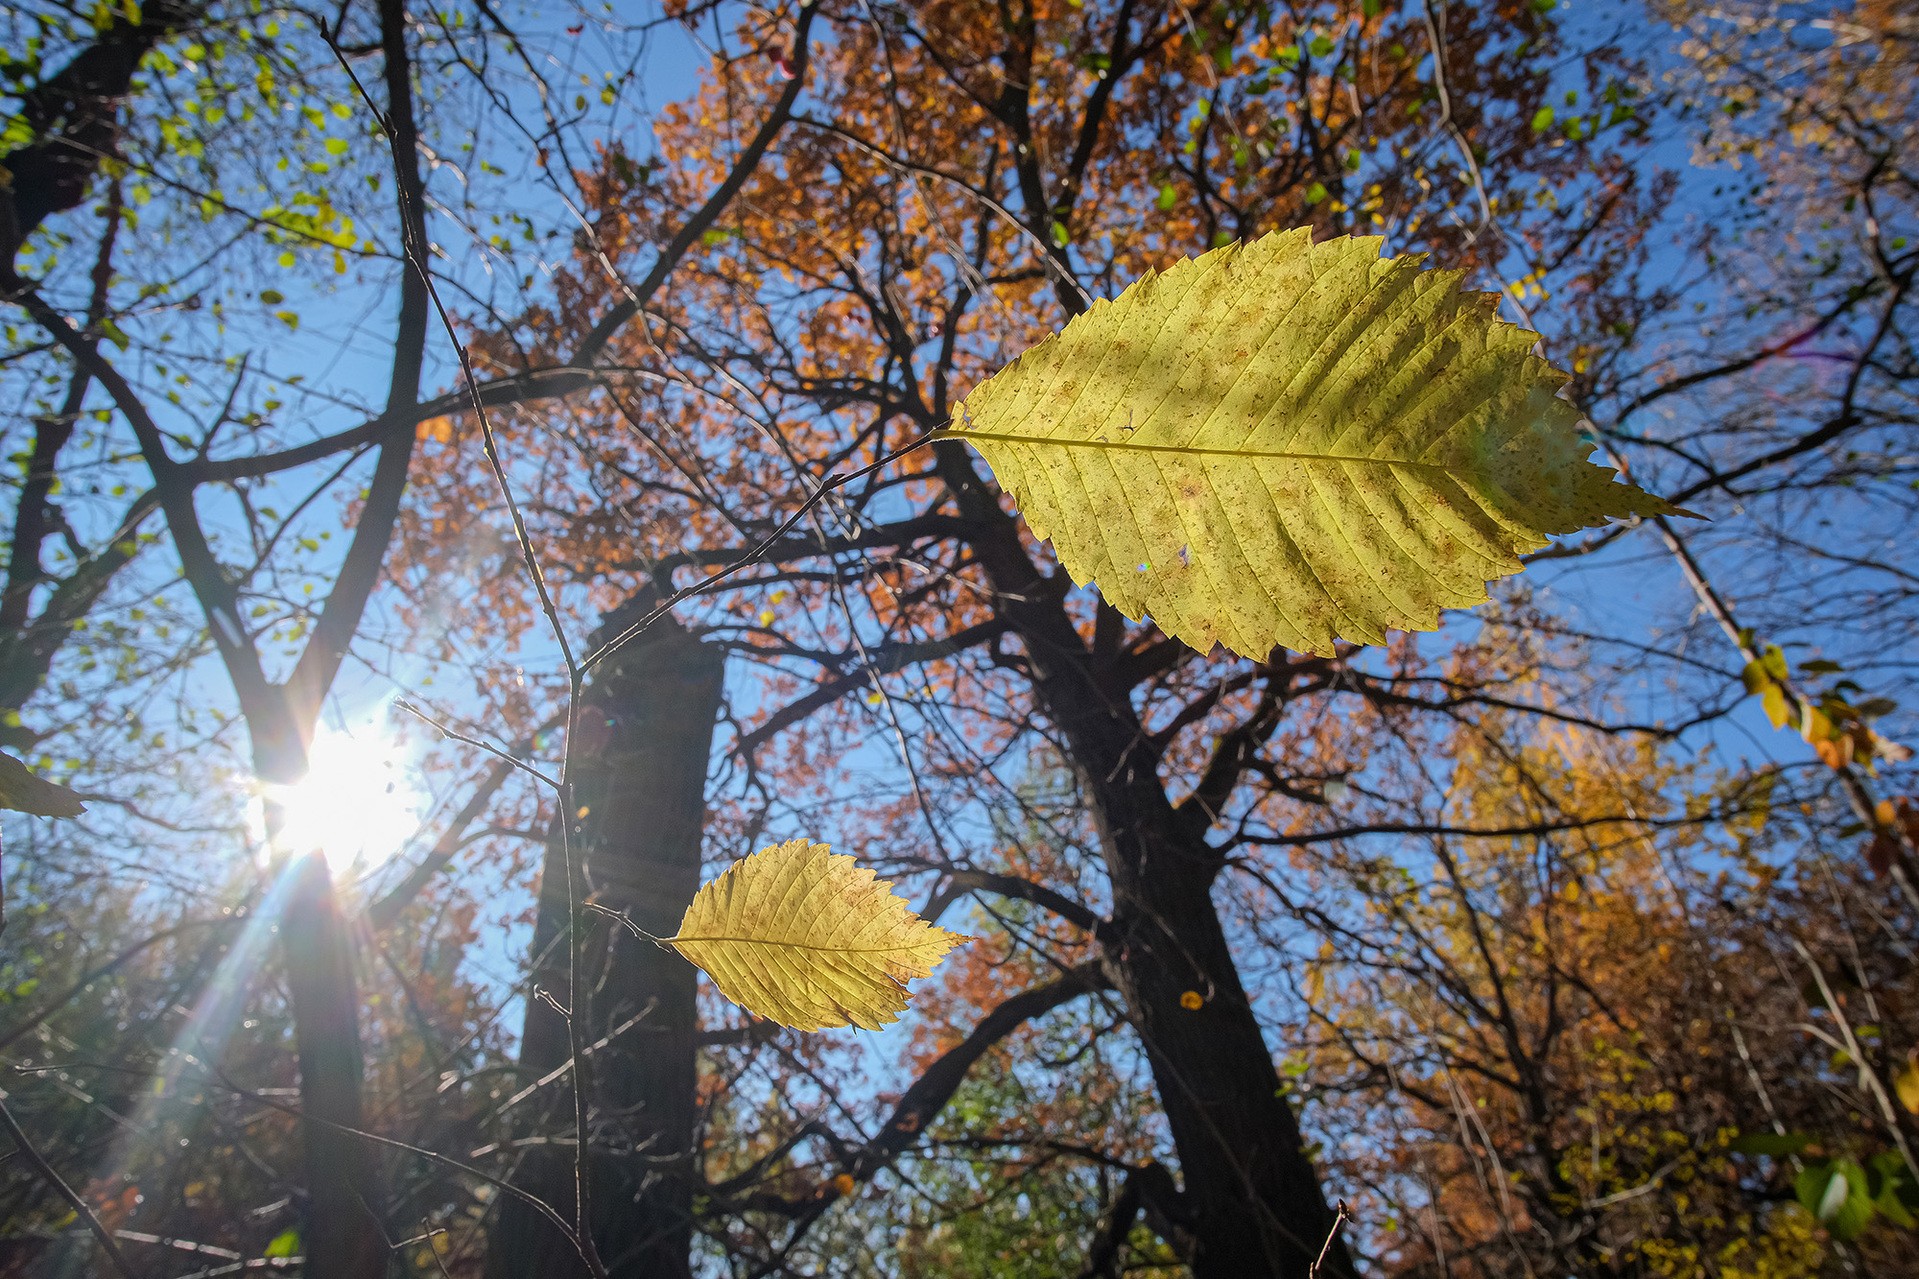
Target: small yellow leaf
{"points": [[1774, 662], [1778, 709], [1906, 1083], [809, 938], [1191, 1001]]}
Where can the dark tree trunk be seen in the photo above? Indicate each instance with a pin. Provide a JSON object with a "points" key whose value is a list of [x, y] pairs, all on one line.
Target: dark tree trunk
{"points": [[343, 1238], [74, 116], [347, 1199], [1253, 1197], [1249, 1188], [638, 769]]}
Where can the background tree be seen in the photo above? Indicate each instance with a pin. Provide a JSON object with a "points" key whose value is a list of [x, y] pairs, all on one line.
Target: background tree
{"points": [[1398, 883], [858, 354]]}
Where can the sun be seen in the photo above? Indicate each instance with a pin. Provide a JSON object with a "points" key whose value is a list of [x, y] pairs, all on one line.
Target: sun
{"points": [[358, 804]]}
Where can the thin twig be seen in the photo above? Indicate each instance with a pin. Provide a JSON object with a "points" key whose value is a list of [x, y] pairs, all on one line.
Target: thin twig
{"points": [[1339, 1219], [625, 921], [456, 735], [47, 1173], [504, 1185], [417, 257], [1436, 33], [829, 485]]}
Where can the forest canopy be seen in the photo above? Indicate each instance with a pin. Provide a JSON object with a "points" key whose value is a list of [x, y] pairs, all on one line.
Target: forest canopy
{"points": [[1051, 638]]}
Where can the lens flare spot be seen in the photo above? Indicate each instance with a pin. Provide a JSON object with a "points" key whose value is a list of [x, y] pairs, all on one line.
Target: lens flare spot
{"points": [[358, 804]]}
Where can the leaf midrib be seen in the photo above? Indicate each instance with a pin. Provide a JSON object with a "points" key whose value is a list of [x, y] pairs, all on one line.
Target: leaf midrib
{"points": [[796, 945], [1009, 437]]}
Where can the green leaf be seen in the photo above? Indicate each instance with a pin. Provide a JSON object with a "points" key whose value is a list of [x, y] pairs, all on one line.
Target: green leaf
{"points": [[1835, 1192], [285, 1244], [1889, 1205], [22, 792], [1287, 443], [1542, 119], [1770, 1143], [1895, 1194], [114, 333], [1168, 197], [1774, 662]]}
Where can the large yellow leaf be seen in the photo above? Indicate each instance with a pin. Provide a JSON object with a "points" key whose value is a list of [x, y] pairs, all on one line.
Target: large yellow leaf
{"points": [[809, 938], [1284, 443]]}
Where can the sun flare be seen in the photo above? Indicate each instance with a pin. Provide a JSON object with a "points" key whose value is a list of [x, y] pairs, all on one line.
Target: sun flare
{"points": [[359, 802]]}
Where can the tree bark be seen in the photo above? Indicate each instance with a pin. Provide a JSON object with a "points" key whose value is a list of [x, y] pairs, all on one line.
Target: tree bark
{"points": [[343, 1238], [1256, 1205], [1257, 1208], [638, 768]]}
